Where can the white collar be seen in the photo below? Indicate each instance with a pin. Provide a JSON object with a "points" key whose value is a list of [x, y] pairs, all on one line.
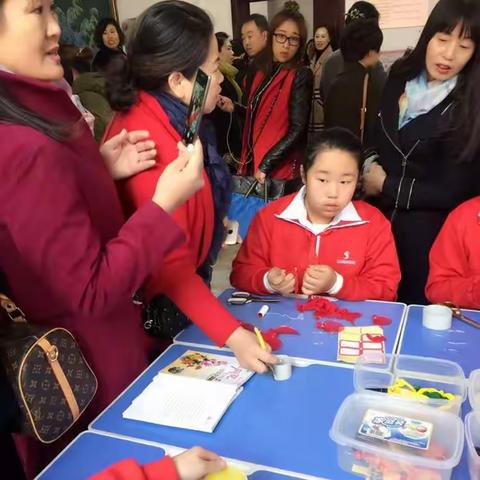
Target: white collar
{"points": [[297, 212]]}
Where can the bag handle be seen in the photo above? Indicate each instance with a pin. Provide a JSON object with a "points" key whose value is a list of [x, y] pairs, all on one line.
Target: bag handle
{"points": [[363, 111], [252, 188], [13, 312]]}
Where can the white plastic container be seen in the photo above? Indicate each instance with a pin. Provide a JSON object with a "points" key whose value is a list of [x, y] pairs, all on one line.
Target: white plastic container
{"points": [[364, 456], [472, 435], [474, 390], [427, 372]]}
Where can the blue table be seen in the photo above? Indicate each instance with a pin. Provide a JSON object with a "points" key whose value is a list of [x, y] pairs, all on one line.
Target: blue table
{"points": [[459, 344], [90, 453], [311, 344], [282, 425]]}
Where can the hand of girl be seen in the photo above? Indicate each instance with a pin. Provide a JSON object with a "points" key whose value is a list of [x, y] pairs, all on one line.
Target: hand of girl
{"points": [[181, 179], [280, 281], [128, 153], [197, 462], [225, 104], [246, 348], [373, 180], [318, 279]]}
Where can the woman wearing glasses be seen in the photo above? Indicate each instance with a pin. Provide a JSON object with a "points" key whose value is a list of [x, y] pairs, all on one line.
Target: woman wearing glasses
{"points": [[279, 100]]}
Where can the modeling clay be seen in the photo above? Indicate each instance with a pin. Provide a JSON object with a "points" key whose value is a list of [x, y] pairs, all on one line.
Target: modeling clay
{"points": [[330, 326], [324, 308], [376, 338], [405, 389], [271, 335], [381, 320]]}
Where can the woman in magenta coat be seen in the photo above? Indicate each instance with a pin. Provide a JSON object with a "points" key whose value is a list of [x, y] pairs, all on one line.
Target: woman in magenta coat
{"points": [[69, 258]]}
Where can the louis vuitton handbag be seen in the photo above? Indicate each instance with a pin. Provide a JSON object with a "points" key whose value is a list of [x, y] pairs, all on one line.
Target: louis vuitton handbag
{"points": [[51, 379]]}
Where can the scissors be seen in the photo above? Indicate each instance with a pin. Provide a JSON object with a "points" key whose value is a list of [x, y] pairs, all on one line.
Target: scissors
{"points": [[241, 298]]}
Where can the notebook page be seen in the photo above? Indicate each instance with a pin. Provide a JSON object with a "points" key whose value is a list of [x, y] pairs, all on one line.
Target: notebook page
{"points": [[182, 402]]}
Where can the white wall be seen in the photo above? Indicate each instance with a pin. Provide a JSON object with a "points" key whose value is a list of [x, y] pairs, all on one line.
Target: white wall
{"points": [[398, 38], [259, 7], [219, 10], [306, 7]]}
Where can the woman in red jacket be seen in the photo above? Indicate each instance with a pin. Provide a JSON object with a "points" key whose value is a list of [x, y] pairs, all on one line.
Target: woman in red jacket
{"points": [[279, 99], [455, 259], [319, 241], [152, 90], [69, 258]]}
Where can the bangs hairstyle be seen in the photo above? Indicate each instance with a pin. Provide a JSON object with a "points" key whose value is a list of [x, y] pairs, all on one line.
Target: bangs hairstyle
{"points": [[170, 36], [102, 26], [265, 58], [335, 138], [445, 17]]}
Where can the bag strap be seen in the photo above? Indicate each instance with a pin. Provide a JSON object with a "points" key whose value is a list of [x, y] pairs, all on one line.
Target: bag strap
{"points": [[363, 111], [13, 312], [51, 352], [252, 188]]}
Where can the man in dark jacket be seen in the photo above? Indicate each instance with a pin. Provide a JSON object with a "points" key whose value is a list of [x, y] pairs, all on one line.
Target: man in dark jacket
{"points": [[255, 32]]}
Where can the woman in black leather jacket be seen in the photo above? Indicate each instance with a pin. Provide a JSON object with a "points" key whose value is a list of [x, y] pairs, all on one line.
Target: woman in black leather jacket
{"points": [[279, 101], [422, 172]]}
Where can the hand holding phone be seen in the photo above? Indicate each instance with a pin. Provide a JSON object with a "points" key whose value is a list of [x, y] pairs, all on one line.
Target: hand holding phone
{"points": [[195, 109]]}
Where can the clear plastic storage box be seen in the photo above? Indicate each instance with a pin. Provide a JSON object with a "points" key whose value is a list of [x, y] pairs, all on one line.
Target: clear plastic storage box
{"points": [[472, 435], [474, 390], [387, 455], [417, 371]]}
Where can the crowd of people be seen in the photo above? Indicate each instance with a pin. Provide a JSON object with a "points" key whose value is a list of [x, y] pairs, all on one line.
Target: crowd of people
{"points": [[103, 208]]}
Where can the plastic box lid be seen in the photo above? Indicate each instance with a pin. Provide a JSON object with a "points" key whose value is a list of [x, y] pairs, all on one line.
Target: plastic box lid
{"points": [[429, 372], [447, 432]]}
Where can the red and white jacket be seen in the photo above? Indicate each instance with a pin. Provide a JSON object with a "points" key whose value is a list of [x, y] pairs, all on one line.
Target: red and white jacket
{"points": [[130, 470], [455, 258], [358, 244]]}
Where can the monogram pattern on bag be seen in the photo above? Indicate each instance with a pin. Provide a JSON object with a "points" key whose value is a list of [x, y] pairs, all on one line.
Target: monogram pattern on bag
{"points": [[41, 394]]}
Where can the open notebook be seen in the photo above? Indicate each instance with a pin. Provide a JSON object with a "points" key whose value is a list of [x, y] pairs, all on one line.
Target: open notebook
{"points": [[193, 392]]}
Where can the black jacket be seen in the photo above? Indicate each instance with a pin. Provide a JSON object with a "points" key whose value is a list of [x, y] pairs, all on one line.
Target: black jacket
{"points": [[345, 97], [424, 181], [299, 114], [334, 67]]}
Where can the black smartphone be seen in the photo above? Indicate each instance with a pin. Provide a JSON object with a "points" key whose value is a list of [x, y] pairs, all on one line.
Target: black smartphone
{"points": [[195, 109]]}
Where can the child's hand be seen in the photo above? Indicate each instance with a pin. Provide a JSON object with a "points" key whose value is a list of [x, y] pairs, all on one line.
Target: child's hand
{"points": [[280, 281], [246, 348], [318, 279], [197, 462]]}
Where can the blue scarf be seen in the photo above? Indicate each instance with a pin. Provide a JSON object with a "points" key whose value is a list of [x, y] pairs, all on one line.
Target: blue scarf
{"points": [[421, 96], [215, 166]]}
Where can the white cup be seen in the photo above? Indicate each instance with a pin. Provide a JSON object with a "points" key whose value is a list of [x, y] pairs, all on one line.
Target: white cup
{"points": [[437, 317], [283, 369]]}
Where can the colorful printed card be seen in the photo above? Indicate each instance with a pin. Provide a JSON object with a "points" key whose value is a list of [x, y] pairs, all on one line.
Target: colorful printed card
{"points": [[354, 342], [396, 429], [210, 367]]}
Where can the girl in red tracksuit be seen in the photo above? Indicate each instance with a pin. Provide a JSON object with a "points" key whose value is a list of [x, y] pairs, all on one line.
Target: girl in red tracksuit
{"points": [[455, 258], [319, 241]]}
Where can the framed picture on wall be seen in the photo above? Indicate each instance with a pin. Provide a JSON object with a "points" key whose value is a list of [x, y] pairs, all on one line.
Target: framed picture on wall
{"points": [[79, 18]]}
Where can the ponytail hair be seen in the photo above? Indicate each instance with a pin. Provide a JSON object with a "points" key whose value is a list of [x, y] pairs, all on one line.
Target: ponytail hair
{"points": [[170, 36]]}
